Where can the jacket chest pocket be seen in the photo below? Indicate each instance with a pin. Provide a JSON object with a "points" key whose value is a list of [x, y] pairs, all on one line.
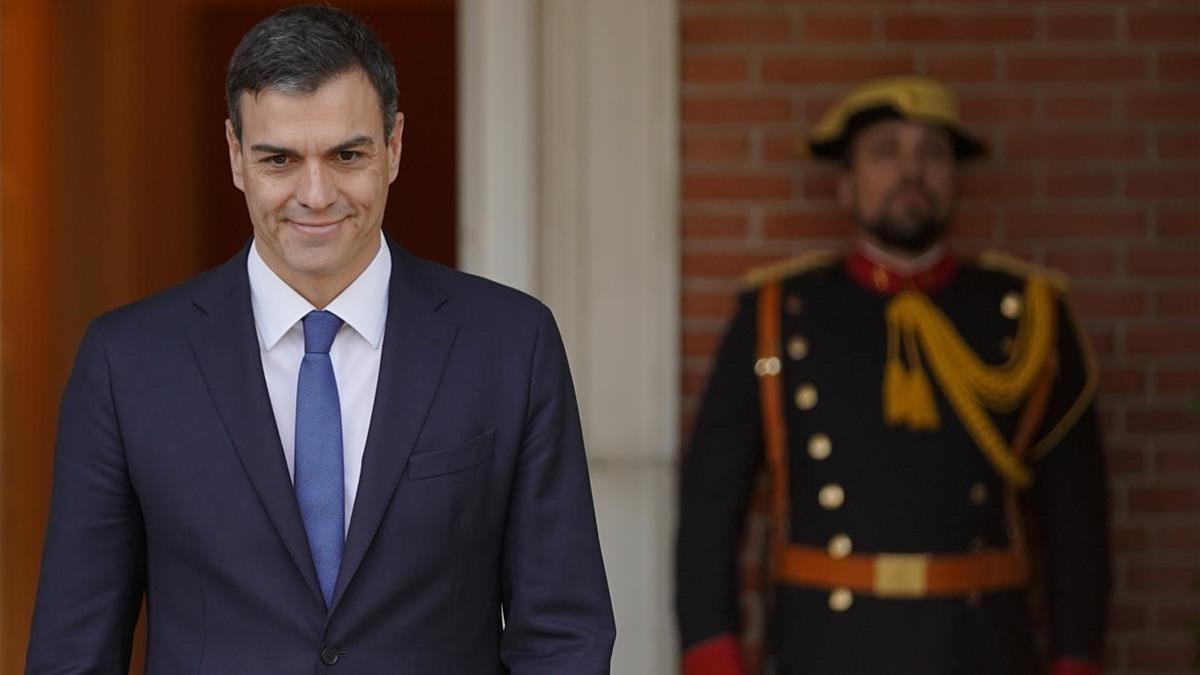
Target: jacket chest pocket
{"points": [[451, 460]]}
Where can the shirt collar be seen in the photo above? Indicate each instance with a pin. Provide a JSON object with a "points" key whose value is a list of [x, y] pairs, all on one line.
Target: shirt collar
{"points": [[278, 307]]}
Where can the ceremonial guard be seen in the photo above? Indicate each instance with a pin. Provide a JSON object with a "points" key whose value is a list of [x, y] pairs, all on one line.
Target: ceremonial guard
{"points": [[927, 424]]}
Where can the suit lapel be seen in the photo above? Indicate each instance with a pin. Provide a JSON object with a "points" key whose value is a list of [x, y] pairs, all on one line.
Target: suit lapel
{"points": [[416, 345], [225, 344]]}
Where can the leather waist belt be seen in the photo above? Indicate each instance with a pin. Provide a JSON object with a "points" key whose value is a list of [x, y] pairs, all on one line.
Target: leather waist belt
{"points": [[904, 575]]}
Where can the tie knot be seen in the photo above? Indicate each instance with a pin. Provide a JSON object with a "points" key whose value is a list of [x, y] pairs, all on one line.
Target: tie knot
{"points": [[320, 327]]}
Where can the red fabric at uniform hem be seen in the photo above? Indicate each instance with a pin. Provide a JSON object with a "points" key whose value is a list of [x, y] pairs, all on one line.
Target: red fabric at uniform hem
{"points": [[716, 656], [1073, 666]]}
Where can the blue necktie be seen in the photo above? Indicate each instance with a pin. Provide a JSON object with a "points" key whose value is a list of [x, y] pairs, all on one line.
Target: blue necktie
{"points": [[320, 486]]}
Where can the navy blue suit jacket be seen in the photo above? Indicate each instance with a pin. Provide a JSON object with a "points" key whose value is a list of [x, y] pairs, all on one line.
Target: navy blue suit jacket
{"points": [[472, 547]]}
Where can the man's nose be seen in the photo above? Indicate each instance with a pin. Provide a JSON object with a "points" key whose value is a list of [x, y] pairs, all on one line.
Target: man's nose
{"points": [[316, 190], [912, 164]]}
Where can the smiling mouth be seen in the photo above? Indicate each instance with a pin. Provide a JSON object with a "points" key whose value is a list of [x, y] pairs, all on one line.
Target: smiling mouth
{"points": [[317, 228]]}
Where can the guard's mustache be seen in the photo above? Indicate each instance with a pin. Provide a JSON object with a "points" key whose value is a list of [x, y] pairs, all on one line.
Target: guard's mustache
{"points": [[913, 186]]}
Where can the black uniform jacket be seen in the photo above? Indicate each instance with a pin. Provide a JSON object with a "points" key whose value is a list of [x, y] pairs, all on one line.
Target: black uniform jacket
{"points": [[893, 490]]}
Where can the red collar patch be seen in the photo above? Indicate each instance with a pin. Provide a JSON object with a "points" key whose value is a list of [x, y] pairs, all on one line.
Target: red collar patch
{"points": [[883, 280]]}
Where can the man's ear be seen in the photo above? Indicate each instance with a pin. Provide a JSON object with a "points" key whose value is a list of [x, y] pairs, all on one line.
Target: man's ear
{"points": [[395, 145], [235, 156], [846, 189]]}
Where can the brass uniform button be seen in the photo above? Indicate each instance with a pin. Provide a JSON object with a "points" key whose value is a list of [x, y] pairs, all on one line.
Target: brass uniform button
{"points": [[840, 599], [797, 348], [831, 496], [768, 365], [793, 305], [806, 396], [1012, 305], [839, 546], [979, 494], [820, 447], [880, 277]]}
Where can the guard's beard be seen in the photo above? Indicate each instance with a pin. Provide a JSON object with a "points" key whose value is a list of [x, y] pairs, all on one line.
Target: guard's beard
{"points": [[917, 233], [914, 239]]}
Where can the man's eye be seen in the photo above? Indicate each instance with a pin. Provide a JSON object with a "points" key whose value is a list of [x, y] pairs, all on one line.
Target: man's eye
{"points": [[277, 160], [938, 151], [884, 150], [349, 155]]}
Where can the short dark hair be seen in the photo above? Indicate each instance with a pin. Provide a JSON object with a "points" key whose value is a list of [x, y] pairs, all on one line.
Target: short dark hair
{"points": [[298, 49]]}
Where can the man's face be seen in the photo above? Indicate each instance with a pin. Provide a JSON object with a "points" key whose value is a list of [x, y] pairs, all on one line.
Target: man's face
{"points": [[900, 183], [315, 170]]}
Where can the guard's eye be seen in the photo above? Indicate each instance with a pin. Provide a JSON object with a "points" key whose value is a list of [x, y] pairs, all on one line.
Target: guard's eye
{"points": [[348, 155], [277, 160], [885, 149], [937, 150]]}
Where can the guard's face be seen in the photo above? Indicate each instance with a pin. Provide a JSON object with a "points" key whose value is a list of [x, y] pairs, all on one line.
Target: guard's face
{"points": [[315, 170], [900, 184]]}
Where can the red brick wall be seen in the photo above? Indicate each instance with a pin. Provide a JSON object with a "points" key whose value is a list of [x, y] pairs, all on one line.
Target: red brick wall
{"points": [[1093, 112]]}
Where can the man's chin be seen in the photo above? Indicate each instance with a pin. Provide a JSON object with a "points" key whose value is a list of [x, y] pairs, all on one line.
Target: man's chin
{"points": [[913, 238]]}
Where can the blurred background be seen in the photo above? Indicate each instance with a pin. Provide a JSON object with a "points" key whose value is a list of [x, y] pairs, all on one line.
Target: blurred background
{"points": [[627, 161], [1092, 111]]}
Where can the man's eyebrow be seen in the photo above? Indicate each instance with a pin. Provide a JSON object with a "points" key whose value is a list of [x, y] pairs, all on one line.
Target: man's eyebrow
{"points": [[356, 142], [272, 149]]}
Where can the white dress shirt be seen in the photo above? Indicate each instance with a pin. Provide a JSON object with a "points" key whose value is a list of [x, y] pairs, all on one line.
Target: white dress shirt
{"points": [[357, 348]]}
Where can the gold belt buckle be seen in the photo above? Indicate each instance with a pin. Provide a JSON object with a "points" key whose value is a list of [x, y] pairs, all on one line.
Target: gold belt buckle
{"points": [[901, 575]]}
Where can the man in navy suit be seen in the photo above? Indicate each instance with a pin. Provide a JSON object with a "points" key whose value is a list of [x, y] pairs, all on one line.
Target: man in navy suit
{"points": [[326, 455]]}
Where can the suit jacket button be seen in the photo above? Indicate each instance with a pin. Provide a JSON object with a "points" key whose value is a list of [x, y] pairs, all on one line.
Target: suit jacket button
{"points": [[329, 656]]}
